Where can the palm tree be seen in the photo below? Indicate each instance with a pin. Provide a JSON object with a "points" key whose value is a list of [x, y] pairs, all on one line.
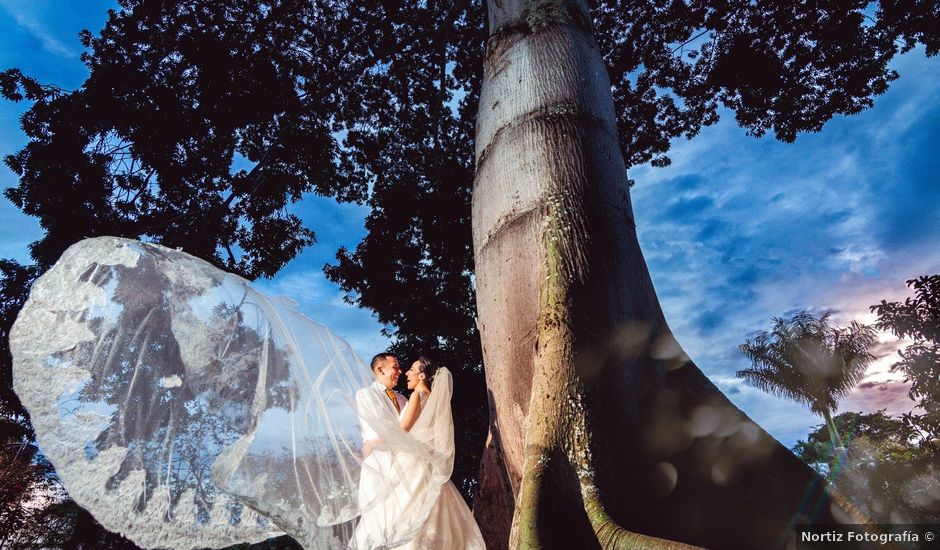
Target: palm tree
{"points": [[807, 360]]}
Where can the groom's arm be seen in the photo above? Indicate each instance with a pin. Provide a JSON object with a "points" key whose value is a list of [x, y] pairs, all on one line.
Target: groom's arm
{"points": [[370, 439], [381, 427]]}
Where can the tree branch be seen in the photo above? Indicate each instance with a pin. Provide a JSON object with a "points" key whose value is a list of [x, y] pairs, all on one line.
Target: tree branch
{"points": [[689, 41]]}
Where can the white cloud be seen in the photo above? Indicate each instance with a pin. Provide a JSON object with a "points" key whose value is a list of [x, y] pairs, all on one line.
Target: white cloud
{"points": [[739, 230], [24, 15]]}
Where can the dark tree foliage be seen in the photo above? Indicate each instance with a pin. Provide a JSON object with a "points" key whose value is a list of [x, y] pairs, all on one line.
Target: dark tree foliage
{"points": [[896, 440], [21, 478], [202, 121], [26, 476], [15, 280], [780, 65], [918, 319], [885, 471]]}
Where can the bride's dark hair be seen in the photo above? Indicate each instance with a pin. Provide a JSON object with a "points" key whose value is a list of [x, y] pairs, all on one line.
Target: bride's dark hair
{"points": [[428, 368]]}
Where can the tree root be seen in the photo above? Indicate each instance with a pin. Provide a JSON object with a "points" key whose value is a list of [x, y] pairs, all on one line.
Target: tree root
{"points": [[614, 537], [524, 532]]}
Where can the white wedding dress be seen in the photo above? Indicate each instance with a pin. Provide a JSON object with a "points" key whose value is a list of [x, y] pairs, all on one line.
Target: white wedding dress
{"points": [[185, 409], [406, 498]]}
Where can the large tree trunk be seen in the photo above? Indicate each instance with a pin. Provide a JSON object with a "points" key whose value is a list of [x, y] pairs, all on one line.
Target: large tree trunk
{"points": [[602, 431]]}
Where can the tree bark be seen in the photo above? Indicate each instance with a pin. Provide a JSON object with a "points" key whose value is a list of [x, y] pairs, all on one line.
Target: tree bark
{"points": [[603, 433]]}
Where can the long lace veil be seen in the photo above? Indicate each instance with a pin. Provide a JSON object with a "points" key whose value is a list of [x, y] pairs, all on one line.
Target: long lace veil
{"points": [[185, 409]]}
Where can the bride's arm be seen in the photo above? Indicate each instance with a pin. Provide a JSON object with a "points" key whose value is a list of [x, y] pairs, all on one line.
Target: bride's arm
{"points": [[412, 410]]}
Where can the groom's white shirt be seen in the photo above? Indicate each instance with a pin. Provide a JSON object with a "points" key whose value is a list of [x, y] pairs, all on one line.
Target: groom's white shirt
{"points": [[367, 432]]}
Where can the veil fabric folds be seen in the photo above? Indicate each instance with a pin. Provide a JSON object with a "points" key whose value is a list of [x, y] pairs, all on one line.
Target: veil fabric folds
{"points": [[185, 409]]}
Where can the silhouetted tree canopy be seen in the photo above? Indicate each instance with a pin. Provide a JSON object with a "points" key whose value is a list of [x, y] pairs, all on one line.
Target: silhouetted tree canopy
{"points": [[885, 471], [895, 440], [201, 122], [27, 476], [918, 319]]}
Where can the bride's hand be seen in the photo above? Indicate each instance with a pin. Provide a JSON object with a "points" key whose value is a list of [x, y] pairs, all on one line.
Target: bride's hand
{"points": [[369, 445]]}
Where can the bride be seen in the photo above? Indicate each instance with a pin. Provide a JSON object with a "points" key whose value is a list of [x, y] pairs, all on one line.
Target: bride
{"points": [[405, 493], [185, 409]]}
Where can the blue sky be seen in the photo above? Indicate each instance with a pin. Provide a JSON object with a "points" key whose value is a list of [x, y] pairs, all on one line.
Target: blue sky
{"points": [[736, 231]]}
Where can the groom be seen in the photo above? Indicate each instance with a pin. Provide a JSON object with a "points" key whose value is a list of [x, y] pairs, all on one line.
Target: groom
{"points": [[382, 499], [385, 370]]}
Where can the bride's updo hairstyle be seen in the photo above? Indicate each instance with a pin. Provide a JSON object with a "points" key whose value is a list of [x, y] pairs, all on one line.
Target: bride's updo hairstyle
{"points": [[428, 368]]}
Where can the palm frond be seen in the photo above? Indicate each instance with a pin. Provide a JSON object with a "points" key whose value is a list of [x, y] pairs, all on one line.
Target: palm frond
{"points": [[805, 359], [770, 382]]}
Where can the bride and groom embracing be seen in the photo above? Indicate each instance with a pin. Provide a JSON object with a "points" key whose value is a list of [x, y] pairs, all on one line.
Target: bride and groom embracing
{"points": [[406, 498]]}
